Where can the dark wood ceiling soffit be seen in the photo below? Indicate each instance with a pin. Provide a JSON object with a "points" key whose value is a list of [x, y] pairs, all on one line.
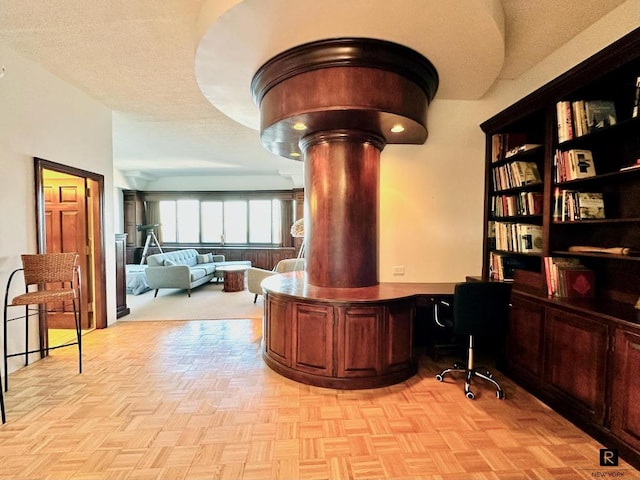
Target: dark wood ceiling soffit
{"points": [[360, 84]]}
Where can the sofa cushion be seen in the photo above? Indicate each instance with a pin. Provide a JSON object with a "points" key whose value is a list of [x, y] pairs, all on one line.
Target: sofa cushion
{"points": [[169, 263], [197, 273], [205, 258]]}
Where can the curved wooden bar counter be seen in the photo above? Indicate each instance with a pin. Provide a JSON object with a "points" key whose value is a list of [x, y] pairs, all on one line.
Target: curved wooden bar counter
{"points": [[345, 338]]}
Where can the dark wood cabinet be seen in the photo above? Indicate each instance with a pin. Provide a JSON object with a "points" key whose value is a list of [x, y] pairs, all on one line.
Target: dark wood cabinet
{"points": [[337, 344], [625, 398], [576, 361], [121, 276], [526, 339]]}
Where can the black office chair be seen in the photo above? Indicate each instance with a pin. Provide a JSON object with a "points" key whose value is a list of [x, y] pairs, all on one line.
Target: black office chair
{"points": [[479, 308]]}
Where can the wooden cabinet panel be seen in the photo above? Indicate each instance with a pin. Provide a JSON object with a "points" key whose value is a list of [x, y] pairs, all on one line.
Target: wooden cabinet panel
{"points": [[278, 333], [398, 338], [625, 401], [313, 326], [258, 258], [359, 341], [576, 360], [525, 339]]}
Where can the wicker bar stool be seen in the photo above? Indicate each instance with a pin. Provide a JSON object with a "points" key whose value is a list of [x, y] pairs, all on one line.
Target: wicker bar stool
{"points": [[56, 277]]}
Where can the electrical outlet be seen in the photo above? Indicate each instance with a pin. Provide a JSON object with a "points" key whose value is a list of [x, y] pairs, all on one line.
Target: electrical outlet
{"points": [[397, 270]]}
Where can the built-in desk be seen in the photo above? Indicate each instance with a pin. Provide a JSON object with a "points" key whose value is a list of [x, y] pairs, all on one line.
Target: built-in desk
{"points": [[347, 338]]}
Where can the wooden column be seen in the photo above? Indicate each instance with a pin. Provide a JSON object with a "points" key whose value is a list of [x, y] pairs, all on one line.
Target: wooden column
{"points": [[342, 184]]}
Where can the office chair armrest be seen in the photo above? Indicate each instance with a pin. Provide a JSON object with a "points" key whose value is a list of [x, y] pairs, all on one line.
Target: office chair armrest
{"points": [[438, 318]]}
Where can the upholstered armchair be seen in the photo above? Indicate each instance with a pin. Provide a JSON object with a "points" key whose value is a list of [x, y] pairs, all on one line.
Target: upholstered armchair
{"points": [[256, 275]]}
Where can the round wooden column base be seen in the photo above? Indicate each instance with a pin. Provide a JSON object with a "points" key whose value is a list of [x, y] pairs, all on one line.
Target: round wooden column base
{"points": [[339, 383], [344, 338]]}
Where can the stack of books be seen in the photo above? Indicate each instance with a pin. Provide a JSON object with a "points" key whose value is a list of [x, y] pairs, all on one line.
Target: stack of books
{"points": [[502, 267], [567, 277], [524, 203], [518, 237], [581, 117], [515, 174], [570, 205]]}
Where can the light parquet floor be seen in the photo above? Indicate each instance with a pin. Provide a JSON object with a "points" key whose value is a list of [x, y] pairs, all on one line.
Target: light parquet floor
{"points": [[193, 400]]}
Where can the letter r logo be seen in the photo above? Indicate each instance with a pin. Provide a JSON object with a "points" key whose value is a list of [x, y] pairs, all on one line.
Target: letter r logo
{"points": [[608, 457]]}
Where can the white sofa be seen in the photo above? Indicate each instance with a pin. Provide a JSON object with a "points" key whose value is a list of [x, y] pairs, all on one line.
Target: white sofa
{"points": [[185, 269]]}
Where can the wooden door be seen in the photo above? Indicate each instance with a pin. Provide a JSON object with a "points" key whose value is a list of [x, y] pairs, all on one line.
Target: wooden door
{"points": [[66, 231]]}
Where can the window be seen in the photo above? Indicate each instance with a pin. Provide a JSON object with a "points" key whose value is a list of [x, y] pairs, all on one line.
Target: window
{"points": [[168, 221], [211, 224], [235, 221], [264, 221], [239, 222]]}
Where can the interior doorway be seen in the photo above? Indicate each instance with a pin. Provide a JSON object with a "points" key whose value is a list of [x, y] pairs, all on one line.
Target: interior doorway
{"points": [[69, 213]]}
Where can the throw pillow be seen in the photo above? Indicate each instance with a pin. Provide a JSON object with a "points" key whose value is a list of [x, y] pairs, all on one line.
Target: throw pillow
{"points": [[205, 258], [169, 263]]}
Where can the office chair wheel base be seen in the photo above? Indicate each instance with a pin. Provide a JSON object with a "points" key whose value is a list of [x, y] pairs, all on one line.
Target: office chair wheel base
{"points": [[470, 395], [439, 378], [500, 394]]}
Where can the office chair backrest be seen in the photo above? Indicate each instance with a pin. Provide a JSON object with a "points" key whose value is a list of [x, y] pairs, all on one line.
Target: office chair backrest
{"points": [[481, 307]]}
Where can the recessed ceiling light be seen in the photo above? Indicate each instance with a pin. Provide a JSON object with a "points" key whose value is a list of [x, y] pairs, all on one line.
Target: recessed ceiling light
{"points": [[397, 128], [299, 126]]}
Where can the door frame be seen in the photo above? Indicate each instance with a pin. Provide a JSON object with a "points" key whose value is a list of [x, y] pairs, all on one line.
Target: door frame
{"points": [[100, 312]]}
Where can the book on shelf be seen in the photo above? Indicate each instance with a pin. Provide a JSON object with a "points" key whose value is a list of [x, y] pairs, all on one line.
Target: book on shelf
{"points": [[575, 282], [502, 267], [525, 147], [581, 164], [526, 173], [501, 143], [600, 114], [521, 204], [515, 174], [636, 101], [530, 238], [573, 164], [590, 205], [571, 205], [567, 277], [518, 237], [491, 235], [581, 117]]}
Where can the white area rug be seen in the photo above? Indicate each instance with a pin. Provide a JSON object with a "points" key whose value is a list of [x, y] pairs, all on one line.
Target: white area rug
{"points": [[207, 302]]}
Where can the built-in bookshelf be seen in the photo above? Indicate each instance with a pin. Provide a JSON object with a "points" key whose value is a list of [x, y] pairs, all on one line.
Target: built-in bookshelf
{"points": [[515, 195], [565, 163], [574, 334]]}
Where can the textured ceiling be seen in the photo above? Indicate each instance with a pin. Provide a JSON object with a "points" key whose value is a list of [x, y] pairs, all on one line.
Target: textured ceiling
{"points": [[139, 59]]}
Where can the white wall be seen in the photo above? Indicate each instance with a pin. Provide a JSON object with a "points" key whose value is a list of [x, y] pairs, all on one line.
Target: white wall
{"points": [[42, 116], [431, 195]]}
